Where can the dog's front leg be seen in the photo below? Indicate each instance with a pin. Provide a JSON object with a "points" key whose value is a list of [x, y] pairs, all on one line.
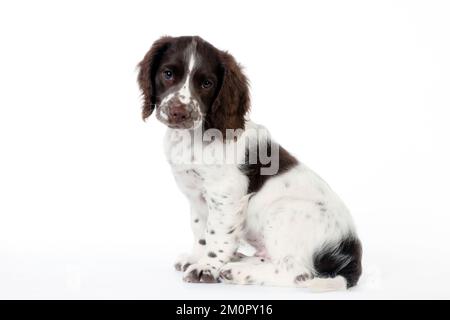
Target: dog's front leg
{"points": [[226, 217], [199, 214]]}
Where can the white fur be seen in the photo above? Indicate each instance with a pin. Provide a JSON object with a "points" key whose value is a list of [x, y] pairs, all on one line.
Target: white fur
{"points": [[185, 93], [284, 221]]}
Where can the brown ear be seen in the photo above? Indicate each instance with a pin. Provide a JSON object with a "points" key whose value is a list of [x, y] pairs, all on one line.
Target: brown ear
{"points": [[147, 69], [233, 99]]}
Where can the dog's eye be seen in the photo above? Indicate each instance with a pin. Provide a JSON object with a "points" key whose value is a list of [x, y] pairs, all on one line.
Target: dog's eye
{"points": [[206, 84], [168, 75]]}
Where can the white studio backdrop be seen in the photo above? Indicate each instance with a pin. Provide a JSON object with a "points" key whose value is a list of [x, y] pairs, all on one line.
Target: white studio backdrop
{"points": [[358, 90]]}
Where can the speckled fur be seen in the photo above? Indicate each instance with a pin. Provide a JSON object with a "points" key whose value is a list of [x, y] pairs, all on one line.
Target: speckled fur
{"points": [[301, 232], [286, 221]]}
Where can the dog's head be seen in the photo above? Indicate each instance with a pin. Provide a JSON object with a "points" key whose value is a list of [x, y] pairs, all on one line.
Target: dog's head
{"points": [[192, 84]]}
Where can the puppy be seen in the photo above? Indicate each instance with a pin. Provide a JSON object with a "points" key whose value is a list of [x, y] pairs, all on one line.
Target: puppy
{"points": [[243, 187]]}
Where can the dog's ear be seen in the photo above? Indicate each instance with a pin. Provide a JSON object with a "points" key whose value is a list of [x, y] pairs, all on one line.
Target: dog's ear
{"points": [[147, 69], [233, 99]]}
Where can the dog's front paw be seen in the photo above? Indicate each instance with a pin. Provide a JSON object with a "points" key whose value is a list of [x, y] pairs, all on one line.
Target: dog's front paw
{"points": [[183, 262], [201, 273]]}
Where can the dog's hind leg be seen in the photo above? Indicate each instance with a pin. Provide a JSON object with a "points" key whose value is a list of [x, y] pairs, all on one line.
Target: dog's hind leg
{"points": [[255, 270]]}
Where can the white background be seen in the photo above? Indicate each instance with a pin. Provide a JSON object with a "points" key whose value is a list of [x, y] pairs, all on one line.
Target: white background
{"points": [[358, 90]]}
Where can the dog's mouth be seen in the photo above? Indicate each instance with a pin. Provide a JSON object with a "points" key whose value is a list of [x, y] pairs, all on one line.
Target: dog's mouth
{"points": [[189, 124]]}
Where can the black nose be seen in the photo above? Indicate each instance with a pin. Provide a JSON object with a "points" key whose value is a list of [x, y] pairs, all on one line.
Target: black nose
{"points": [[178, 113]]}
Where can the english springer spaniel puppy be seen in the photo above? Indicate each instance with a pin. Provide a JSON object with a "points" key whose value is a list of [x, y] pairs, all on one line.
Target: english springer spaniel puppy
{"points": [[242, 186]]}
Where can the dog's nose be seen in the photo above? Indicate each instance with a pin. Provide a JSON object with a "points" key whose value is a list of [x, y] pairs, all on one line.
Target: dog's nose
{"points": [[178, 113]]}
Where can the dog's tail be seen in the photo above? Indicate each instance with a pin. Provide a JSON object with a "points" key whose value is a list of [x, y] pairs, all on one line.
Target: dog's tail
{"points": [[337, 266]]}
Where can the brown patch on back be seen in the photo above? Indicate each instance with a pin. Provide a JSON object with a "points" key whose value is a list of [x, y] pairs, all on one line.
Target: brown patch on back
{"points": [[253, 171]]}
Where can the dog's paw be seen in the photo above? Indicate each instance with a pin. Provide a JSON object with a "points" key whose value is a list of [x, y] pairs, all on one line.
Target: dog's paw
{"points": [[183, 262], [201, 273]]}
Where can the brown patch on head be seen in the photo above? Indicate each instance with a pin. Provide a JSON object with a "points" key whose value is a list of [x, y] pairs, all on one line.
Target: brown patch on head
{"points": [[216, 82], [233, 99], [147, 69]]}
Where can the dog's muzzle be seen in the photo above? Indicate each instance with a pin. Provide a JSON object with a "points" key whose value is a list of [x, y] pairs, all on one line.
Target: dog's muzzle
{"points": [[176, 114]]}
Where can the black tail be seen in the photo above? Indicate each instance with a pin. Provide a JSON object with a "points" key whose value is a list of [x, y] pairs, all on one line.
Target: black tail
{"points": [[340, 259]]}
